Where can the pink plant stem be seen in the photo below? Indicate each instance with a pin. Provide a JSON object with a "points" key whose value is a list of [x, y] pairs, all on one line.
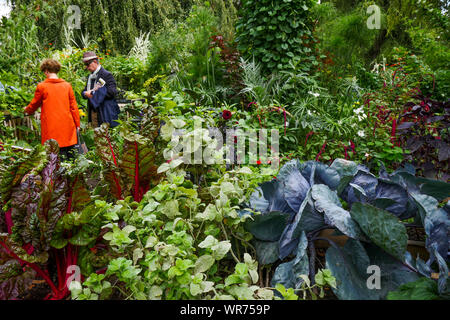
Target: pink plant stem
{"points": [[32, 266]]}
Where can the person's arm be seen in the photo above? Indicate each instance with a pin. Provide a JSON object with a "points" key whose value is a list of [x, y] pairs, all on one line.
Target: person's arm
{"points": [[74, 108], [111, 86], [83, 93], [35, 103]]}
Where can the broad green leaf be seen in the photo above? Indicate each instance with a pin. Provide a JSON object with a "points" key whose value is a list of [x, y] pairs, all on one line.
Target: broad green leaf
{"points": [[382, 227], [267, 227], [204, 263]]}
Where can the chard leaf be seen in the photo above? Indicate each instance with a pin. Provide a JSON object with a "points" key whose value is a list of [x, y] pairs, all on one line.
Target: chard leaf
{"points": [[14, 281], [105, 149], [137, 163], [384, 229], [11, 176]]}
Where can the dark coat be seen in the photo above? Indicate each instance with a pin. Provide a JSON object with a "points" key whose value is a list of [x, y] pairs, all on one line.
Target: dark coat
{"points": [[107, 110], [111, 90]]}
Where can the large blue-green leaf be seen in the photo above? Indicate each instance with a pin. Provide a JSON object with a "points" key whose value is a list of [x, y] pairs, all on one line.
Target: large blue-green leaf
{"points": [[266, 251], [393, 272], [307, 219], [295, 189], [349, 266], [384, 229], [367, 181], [327, 202], [399, 196], [418, 264], [268, 197], [434, 188], [267, 227], [346, 170], [443, 284], [287, 168], [319, 173], [436, 222], [288, 274]]}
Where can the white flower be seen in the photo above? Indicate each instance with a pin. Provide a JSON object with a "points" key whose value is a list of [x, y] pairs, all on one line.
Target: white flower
{"points": [[314, 94], [359, 110], [361, 133], [366, 155]]}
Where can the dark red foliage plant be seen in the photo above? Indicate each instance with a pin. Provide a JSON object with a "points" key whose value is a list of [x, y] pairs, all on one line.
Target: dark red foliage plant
{"points": [[423, 129]]}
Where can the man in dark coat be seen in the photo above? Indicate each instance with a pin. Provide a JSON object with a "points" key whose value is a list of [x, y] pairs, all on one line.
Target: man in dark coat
{"points": [[98, 78]]}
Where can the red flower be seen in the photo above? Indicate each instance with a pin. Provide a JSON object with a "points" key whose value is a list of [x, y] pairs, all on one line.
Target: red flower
{"points": [[258, 162], [226, 114]]}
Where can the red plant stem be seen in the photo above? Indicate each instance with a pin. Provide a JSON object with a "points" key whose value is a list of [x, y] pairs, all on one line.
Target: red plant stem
{"points": [[69, 205], [136, 174], [34, 267], [352, 146], [321, 150], [119, 189], [307, 136], [394, 127], [9, 222]]}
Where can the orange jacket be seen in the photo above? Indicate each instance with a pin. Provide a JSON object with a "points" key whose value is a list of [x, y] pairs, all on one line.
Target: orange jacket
{"points": [[59, 113]]}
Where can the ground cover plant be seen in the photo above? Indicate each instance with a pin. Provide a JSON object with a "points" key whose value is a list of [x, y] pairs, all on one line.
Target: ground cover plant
{"points": [[360, 181]]}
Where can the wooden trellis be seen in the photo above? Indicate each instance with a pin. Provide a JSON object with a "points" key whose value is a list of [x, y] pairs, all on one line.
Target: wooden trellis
{"points": [[26, 121]]}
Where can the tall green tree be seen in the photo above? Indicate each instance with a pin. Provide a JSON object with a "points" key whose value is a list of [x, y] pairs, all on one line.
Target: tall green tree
{"points": [[113, 24]]}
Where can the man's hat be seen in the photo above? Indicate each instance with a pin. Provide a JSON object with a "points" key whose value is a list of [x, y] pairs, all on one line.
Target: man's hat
{"points": [[89, 55]]}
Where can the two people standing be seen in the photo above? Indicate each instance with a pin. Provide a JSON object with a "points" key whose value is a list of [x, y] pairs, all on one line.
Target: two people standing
{"points": [[60, 119]]}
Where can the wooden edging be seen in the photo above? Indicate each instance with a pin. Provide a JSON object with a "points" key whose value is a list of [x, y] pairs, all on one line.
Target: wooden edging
{"points": [[414, 247]]}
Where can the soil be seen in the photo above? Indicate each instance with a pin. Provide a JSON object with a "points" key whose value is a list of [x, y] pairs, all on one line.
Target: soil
{"points": [[416, 233], [38, 290]]}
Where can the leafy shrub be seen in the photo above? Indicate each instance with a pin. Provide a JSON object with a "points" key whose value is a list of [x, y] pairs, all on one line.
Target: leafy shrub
{"points": [[276, 34], [424, 130]]}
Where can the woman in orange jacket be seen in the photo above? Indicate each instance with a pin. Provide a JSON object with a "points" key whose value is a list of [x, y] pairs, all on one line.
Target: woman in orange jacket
{"points": [[60, 118]]}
